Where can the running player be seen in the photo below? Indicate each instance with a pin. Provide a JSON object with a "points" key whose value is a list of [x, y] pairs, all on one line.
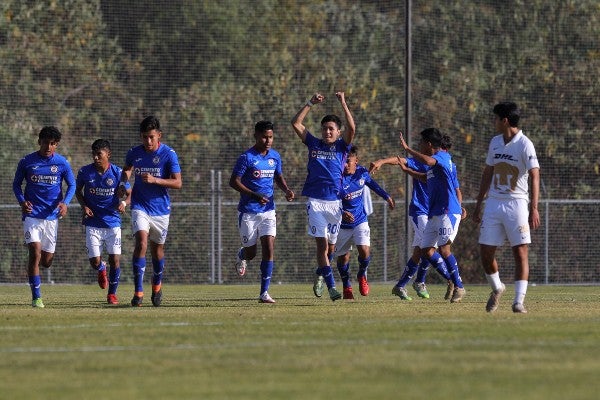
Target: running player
{"points": [[157, 170], [509, 213], [101, 209], [326, 158], [355, 225], [444, 211], [42, 203], [253, 176]]}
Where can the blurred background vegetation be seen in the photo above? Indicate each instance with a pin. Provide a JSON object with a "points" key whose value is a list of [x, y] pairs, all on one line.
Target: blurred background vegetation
{"points": [[210, 70]]}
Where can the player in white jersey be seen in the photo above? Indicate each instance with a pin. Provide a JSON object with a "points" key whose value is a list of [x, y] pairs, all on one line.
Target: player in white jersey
{"points": [[509, 213], [326, 159], [42, 203], [101, 209], [157, 170], [254, 175]]}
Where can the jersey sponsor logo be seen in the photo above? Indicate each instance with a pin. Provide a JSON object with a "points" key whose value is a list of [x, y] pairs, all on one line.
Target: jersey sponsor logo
{"points": [[148, 170], [508, 157], [48, 179], [353, 195], [323, 154], [263, 173], [102, 192]]}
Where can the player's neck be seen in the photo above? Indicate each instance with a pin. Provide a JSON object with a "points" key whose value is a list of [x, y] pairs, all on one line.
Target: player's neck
{"points": [[101, 169], [510, 133]]}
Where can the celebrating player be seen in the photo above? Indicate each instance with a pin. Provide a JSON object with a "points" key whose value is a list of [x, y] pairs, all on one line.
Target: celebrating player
{"points": [[253, 176], [42, 204], [157, 170], [101, 209], [326, 158], [355, 225]]}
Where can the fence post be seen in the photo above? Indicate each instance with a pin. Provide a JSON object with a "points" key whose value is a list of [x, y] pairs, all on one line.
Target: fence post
{"points": [[219, 225], [212, 225]]}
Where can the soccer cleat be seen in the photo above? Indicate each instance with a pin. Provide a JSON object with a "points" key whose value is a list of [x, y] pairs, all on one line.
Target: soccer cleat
{"points": [[319, 285], [156, 298], [240, 265], [363, 285], [37, 303], [494, 300], [137, 301], [449, 290], [519, 308], [265, 298], [401, 292], [112, 299], [334, 294], [102, 279], [421, 290], [348, 294], [458, 295]]}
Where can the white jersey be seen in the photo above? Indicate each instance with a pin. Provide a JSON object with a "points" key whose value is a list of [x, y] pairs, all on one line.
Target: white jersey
{"points": [[512, 162]]}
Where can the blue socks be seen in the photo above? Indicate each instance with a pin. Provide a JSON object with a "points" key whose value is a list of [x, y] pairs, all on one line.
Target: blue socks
{"points": [[139, 268], [266, 270], [363, 264], [452, 266], [114, 274], [158, 266], [344, 270], [409, 272], [327, 273], [35, 283]]}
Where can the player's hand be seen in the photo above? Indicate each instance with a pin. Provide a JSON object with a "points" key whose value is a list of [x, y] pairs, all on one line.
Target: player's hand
{"points": [[391, 203], [86, 212], [374, 166], [347, 216], [476, 217], [534, 218], [317, 98], [289, 195], [341, 97], [262, 199], [62, 210], [148, 178], [464, 214], [402, 141], [26, 207]]}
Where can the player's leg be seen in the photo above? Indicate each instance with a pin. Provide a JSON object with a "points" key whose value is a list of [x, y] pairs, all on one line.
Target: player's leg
{"points": [[519, 236], [140, 225], [267, 230], [93, 243], [362, 239], [157, 236], [491, 235], [248, 230], [113, 246]]}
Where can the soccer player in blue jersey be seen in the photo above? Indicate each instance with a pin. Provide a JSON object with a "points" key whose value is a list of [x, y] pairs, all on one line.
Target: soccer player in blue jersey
{"points": [[101, 209], [355, 225], [253, 176], [326, 159], [444, 212], [42, 203], [156, 169], [418, 210]]}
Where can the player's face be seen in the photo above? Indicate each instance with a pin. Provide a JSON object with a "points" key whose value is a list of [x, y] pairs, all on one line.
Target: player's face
{"points": [[425, 147], [101, 158], [330, 132], [264, 140], [350, 166], [47, 147], [151, 140]]}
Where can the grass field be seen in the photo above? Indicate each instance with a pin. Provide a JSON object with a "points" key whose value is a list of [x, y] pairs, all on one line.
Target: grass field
{"points": [[218, 342]]}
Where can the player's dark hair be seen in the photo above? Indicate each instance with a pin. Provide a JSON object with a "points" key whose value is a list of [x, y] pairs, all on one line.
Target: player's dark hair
{"points": [[100, 144], [263, 126], [50, 133], [353, 151], [149, 123], [510, 111], [446, 142], [433, 136], [332, 118]]}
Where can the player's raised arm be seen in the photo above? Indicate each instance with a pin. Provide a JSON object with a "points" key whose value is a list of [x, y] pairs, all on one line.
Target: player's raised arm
{"points": [[350, 130], [376, 165], [297, 121]]}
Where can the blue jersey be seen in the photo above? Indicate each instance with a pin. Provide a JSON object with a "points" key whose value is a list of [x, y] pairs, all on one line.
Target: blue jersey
{"points": [[419, 202], [100, 194], [353, 187], [43, 184], [257, 173], [325, 167], [152, 199], [440, 184]]}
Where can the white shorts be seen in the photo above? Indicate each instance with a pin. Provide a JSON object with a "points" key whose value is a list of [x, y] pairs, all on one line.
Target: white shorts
{"points": [[505, 219], [418, 224], [324, 218], [440, 229], [360, 235], [157, 226], [254, 226], [96, 237], [43, 231]]}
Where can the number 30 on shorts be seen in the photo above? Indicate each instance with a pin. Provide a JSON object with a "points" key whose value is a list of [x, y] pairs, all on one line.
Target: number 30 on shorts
{"points": [[331, 228]]}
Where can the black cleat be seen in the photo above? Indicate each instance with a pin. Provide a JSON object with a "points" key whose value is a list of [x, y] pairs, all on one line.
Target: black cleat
{"points": [[157, 298]]}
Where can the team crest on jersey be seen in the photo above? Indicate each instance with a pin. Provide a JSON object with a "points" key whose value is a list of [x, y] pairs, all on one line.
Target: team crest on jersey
{"points": [[332, 147], [271, 162], [110, 182], [54, 169], [156, 160], [361, 181]]}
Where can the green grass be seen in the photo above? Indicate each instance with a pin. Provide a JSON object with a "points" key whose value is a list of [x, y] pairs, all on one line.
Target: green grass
{"points": [[218, 342]]}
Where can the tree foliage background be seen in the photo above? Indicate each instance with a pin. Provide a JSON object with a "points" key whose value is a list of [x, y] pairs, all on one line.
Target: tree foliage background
{"points": [[210, 70]]}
